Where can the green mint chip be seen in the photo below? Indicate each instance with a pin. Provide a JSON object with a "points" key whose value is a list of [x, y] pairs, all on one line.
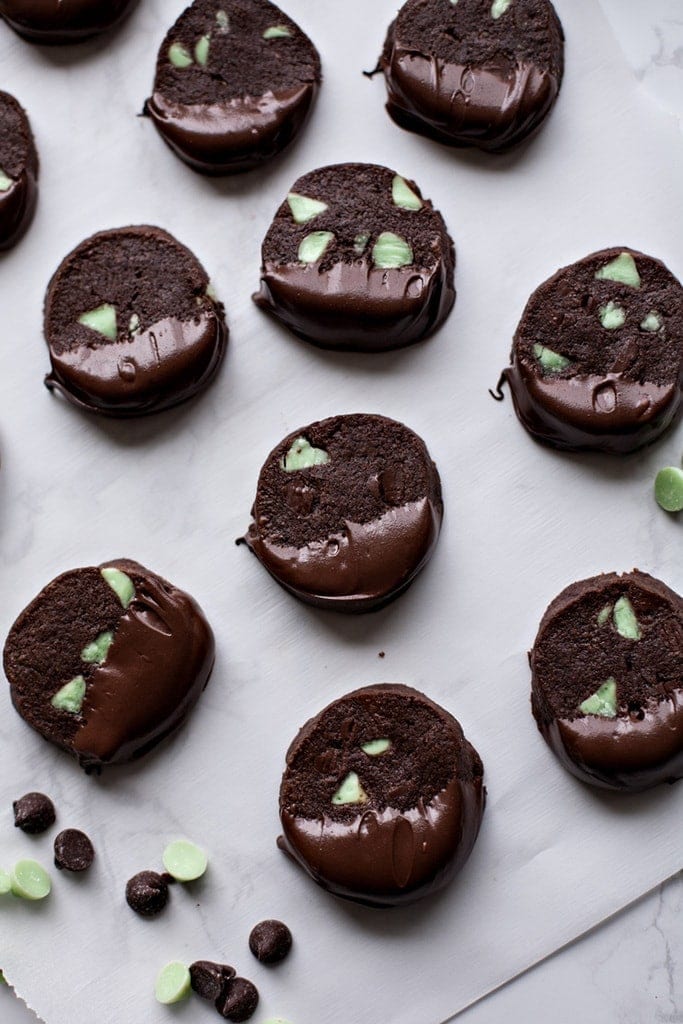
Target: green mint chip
{"points": [[603, 702], [277, 32], [360, 241], [652, 322], [390, 252], [201, 50], [350, 792], [625, 621], [623, 269], [313, 246], [302, 455], [612, 316], [5, 181], [222, 20], [5, 882], [173, 983], [30, 880], [70, 697], [403, 195], [376, 747], [184, 860], [551, 361], [96, 652], [102, 319], [604, 614], [304, 208], [669, 489], [120, 583], [499, 7], [179, 56]]}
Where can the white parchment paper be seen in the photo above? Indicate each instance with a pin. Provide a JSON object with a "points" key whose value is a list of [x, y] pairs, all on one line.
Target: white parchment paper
{"points": [[554, 858]]}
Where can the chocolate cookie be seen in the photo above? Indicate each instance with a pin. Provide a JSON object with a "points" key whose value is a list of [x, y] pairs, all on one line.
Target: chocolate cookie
{"points": [[132, 323], [607, 681], [234, 83], [18, 171], [108, 660], [382, 797], [597, 358], [347, 512], [482, 73], [357, 259], [63, 21]]}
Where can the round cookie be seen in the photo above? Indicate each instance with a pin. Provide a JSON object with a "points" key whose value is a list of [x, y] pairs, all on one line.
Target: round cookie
{"points": [[235, 81], [63, 21], [18, 171], [106, 661], [482, 73], [607, 681], [597, 358], [356, 259], [132, 323], [382, 797], [347, 512]]}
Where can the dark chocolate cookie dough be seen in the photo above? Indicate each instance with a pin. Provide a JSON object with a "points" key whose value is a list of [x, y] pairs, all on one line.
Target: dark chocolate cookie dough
{"points": [[347, 512], [132, 323], [18, 171], [63, 21], [108, 660], [482, 73], [234, 83], [597, 358], [607, 680], [382, 797], [357, 259]]}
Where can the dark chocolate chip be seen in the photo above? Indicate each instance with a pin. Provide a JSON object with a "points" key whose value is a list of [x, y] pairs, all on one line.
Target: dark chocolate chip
{"points": [[73, 850], [147, 893], [34, 813], [239, 1000], [270, 941], [210, 980]]}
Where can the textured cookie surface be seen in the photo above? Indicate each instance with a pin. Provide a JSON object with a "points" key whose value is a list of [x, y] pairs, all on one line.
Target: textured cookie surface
{"points": [[108, 660], [63, 21], [18, 171], [382, 796], [132, 324], [235, 80], [482, 73], [347, 511], [607, 680], [597, 359], [356, 258]]}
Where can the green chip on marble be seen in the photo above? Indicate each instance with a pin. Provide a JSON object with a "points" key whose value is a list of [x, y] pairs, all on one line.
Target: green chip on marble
{"points": [[96, 652], [70, 697], [30, 880], [403, 195], [652, 322], [313, 246], [499, 7], [179, 56], [5, 882], [350, 792], [551, 361], [302, 455], [102, 319], [603, 702], [5, 181], [184, 860], [277, 32], [376, 747], [612, 316], [669, 489], [201, 50], [120, 583], [625, 621], [623, 269], [304, 208], [173, 983], [390, 252]]}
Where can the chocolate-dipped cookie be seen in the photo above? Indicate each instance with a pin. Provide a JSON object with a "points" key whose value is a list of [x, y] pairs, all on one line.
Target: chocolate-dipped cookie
{"points": [[482, 73], [347, 512], [357, 259], [18, 171], [106, 661], [132, 323], [63, 21], [607, 681], [235, 80], [597, 358], [382, 797]]}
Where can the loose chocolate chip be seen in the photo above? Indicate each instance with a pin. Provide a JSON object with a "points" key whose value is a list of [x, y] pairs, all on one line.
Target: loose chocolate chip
{"points": [[34, 813], [73, 850], [270, 941], [238, 1001], [147, 893], [210, 980]]}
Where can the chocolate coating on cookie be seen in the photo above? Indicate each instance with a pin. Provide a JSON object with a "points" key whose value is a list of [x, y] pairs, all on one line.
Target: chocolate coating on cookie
{"points": [[234, 84], [607, 681], [63, 21], [132, 324], [108, 660], [357, 259], [482, 73], [382, 797], [18, 171], [597, 358], [347, 512]]}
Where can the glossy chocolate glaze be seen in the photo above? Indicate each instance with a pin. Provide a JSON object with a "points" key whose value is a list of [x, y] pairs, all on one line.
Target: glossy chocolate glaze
{"points": [[63, 21]]}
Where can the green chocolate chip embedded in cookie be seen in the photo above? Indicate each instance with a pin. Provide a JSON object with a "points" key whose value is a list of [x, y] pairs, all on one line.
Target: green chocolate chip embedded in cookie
{"points": [[623, 269], [551, 361], [96, 652], [604, 614], [102, 319], [603, 702], [669, 489], [304, 208], [222, 20], [360, 241], [350, 792], [376, 747], [403, 195], [625, 621], [390, 252], [277, 32], [652, 322], [179, 56], [499, 7], [5, 181], [201, 50], [612, 316], [184, 860], [5, 882], [70, 697], [30, 880], [313, 246], [120, 583], [302, 455], [173, 983]]}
